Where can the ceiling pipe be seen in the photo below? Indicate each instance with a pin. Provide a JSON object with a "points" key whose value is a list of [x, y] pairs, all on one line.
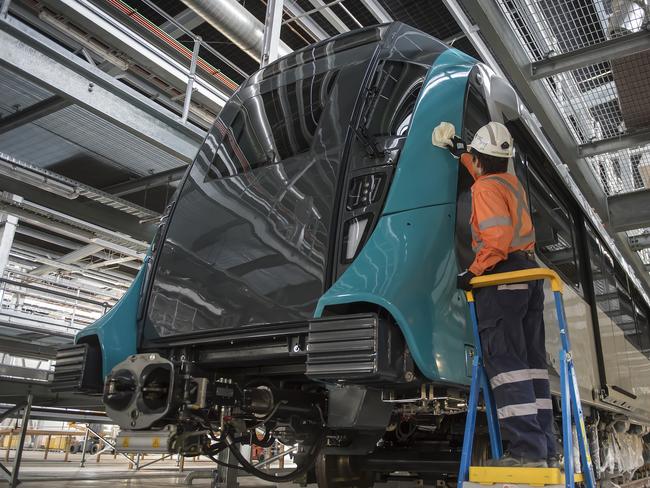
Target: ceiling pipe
{"points": [[236, 23]]}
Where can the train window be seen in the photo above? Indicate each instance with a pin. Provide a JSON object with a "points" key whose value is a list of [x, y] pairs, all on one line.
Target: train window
{"points": [[286, 121], [642, 325], [476, 112], [556, 241], [475, 116], [395, 90], [623, 306], [623, 313]]}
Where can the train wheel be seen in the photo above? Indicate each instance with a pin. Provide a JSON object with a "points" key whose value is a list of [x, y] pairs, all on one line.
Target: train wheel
{"points": [[341, 472]]}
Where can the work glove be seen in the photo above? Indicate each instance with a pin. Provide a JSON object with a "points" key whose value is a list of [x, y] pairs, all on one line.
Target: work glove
{"points": [[444, 135], [463, 279]]}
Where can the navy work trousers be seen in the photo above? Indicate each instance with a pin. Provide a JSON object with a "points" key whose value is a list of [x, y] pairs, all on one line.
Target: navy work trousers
{"points": [[511, 327]]}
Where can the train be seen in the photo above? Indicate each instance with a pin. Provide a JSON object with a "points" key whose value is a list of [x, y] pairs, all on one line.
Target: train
{"points": [[301, 286]]}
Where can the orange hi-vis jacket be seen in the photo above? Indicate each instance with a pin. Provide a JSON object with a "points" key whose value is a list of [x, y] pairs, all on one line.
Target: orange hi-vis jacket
{"points": [[500, 220]]}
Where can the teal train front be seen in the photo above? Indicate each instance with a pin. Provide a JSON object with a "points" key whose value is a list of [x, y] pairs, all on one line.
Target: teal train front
{"points": [[302, 282]]}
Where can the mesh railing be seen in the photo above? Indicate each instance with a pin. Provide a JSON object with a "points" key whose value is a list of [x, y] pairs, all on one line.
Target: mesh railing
{"points": [[602, 101]]}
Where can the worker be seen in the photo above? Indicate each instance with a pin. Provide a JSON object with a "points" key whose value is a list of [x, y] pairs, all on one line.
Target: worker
{"points": [[510, 317]]}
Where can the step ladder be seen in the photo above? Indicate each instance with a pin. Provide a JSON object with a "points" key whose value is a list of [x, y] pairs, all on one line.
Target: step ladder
{"points": [[480, 476]]}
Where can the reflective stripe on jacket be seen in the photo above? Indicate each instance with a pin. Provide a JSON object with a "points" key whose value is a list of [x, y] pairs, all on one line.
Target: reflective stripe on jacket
{"points": [[500, 219]]}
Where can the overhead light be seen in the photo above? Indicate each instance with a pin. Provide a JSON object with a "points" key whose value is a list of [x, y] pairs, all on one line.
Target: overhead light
{"points": [[644, 169], [627, 16], [35, 177]]}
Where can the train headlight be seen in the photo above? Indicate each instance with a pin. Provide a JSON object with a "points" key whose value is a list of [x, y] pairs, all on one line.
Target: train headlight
{"points": [[355, 233]]}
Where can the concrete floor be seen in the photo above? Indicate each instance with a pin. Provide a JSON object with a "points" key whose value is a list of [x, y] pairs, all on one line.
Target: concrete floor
{"points": [[113, 472], [57, 473]]}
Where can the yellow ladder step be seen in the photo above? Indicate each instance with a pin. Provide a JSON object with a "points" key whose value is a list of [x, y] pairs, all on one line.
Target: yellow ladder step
{"points": [[490, 475]]}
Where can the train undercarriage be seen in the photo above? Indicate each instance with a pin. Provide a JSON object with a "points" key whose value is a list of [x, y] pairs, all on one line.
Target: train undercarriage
{"points": [[353, 414]]}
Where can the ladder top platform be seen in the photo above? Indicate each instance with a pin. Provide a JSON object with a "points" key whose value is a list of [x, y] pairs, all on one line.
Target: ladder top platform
{"points": [[491, 475]]}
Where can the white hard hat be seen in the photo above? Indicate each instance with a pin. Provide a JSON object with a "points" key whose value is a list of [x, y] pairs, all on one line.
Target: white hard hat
{"points": [[493, 139]]}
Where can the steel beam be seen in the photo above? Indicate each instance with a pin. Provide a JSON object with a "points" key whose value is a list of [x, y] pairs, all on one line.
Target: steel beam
{"points": [[69, 244], [22, 372], [495, 30], [26, 348], [586, 56], [70, 258], [91, 17], [109, 262], [331, 17], [146, 182], [188, 18], [378, 11], [629, 211], [87, 416], [47, 64], [106, 220], [272, 28], [307, 23], [639, 242], [32, 113], [613, 144]]}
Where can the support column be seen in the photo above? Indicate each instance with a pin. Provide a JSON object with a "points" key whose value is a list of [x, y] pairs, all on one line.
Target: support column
{"points": [[224, 477], [21, 442], [272, 26], [8, 225], [82, 464], [190, 79]]}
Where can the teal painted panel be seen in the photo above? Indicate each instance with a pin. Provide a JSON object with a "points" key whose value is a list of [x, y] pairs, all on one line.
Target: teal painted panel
{"points": [[427, 175], [117, 329], [408, 266]]}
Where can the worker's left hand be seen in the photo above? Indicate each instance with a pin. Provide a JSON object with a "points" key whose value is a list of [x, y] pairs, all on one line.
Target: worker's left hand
{"points": [[463, 279]]}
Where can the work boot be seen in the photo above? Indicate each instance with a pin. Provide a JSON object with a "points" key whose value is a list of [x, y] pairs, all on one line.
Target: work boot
{"points": [[554, 462], [510, 461]]}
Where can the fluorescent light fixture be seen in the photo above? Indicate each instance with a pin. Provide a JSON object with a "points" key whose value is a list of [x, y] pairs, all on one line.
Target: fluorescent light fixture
{"points": [[37, 179]]}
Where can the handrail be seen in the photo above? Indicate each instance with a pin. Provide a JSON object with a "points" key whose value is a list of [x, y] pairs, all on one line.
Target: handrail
{"points": [[516, 277]]}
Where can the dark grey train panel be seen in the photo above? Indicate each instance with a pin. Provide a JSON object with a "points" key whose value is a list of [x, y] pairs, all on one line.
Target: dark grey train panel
{"points": [[255, 231]]}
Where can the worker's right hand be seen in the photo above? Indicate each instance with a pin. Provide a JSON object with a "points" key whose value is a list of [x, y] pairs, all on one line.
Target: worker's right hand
{"points": [[444, 135]]}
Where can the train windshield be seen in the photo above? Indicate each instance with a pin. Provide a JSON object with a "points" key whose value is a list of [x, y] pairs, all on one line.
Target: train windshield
{"points": [[250, 238]]}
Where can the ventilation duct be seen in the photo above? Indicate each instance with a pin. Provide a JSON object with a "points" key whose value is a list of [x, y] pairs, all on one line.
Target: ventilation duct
{"points": [[236, 23]]}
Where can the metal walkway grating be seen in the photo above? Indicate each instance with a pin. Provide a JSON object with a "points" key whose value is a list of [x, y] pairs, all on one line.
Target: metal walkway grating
{"points": [[560, 26], [604, 101]]}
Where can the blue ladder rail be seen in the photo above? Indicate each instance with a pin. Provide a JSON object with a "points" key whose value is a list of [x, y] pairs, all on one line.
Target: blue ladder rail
{"points": [[570, 396]]}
